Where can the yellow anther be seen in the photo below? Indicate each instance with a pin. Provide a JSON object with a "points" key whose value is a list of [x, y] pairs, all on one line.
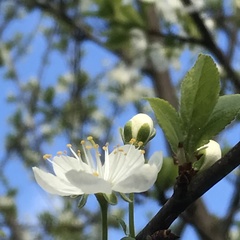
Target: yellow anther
{"points": [[105, 148], [95, 174], [79, 153], [59, 153], [47, 156], [142, 151], [69, 145], [140, 144], [132, 141], [82, 142], [89, 138]]}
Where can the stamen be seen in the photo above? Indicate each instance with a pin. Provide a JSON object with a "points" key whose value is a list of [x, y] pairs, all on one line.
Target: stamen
{"points": [[132, 141], [87, 155], [95, 174], [140, 143], [47, 156], [59, 153], [104, 148], [90, 138], [70, 147]]}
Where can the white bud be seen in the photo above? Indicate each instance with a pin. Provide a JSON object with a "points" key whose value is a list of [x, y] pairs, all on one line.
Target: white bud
{"points": [[139, 128], [211, 153]]}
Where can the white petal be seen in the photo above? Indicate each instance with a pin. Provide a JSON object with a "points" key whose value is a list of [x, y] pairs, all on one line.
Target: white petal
{"points": [[157, 160], [140, 181], [88, 183], [66, 163], [52, 184], [123, 163]]}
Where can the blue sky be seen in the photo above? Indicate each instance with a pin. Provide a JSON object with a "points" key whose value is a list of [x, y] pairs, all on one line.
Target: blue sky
{"points": [[31, 199]]}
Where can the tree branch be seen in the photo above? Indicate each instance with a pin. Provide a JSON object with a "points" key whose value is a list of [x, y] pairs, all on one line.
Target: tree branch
{"points": [[176, 38], [199, 184], [212, 46]]}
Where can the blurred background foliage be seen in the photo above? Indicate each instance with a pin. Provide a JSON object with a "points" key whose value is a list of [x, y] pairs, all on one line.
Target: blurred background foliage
{"points": [[77, 68]]}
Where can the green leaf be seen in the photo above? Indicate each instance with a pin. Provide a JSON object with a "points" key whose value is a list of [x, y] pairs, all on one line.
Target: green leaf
{"points": [[169, 121], [48, 95], [224, 113], [133, 18], [199, 93]]}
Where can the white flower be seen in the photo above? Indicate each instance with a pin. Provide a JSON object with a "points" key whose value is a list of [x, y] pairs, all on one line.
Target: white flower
{"points": [[124, 170], [157, 54], [123, 74]]}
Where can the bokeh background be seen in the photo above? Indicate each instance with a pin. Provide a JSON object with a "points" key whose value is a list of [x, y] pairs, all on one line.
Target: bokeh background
{"points": [[74, 68]]}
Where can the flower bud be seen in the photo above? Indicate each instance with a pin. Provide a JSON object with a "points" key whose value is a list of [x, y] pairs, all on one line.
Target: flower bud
{"points": [[210, 152], [140, 128]]}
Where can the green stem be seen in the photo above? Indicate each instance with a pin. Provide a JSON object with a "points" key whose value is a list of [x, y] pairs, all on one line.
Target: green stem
{"points": [[131, 216], [104, 210]]}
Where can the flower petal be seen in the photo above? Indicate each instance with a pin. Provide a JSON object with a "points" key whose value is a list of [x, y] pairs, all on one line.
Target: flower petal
{"points": [[64, 164], [157, 160], [140, 181], [88, 183], [123, 161], [52, 184]]}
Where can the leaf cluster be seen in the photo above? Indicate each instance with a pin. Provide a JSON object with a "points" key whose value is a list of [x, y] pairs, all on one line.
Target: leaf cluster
{"points": [[202, 113]]}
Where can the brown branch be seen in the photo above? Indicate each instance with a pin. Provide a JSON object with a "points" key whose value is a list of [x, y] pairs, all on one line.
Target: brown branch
{"points": [[78, 29], [176, 38], [183, 198], [212, 46]]}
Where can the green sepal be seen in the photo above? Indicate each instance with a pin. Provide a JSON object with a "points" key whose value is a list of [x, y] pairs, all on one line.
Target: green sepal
{"points": [[198, 164], [110, 198], [74, 196], [143, 133], [127, 132], [82, 201], [125, 198], [122, 224]]}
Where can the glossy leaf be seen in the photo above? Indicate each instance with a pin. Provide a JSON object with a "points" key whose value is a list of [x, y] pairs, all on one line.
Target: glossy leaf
{"points": [[169, 121], [199, 94], [224, 113]]}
